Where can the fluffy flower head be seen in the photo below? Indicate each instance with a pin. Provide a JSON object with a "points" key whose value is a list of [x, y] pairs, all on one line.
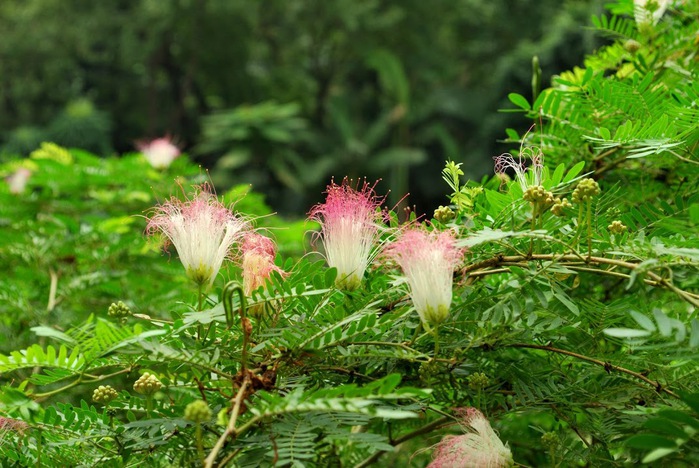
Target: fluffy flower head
{"points": [[479, 447], [10, 424], [159, 152], [350, 229], [428, 260], [507, 161], [258, 261], [17, 181], [202, 230]]}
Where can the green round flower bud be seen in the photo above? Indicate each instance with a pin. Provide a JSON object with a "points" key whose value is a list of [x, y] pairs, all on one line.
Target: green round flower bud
{"points": [[550, 440], [147, 384], [444, 214], [559, 206], [428, 371], [198, 412], [478, 381], [118, 310], [104, 394], [617, 227], [586, 189], [538, 195]]}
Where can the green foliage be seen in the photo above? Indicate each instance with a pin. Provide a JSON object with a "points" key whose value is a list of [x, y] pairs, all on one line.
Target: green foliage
{"points": [[577, 337]]}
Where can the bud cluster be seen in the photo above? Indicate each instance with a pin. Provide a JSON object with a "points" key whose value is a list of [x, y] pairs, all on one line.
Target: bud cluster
{"points": [[198, 412], [118, 310], [104, 394], [586, 189], [147, 384], [538, 195], [617, 227], [428, 371], [478, 381], [550, 440], [444, 214], [559, 206]]}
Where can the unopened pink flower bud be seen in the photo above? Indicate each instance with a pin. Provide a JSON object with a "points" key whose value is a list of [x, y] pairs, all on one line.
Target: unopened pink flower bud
{"points": [[258, 261]]}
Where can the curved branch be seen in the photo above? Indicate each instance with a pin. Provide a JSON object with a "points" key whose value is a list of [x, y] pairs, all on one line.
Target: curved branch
{"points": [[506, 260], [607, 365]]}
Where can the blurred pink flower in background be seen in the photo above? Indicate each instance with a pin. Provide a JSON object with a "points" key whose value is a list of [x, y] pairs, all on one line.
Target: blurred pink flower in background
{"points": [[350, 230], [479, 447], [428, 260], [17, 181], [202, 230], [159, 152], [258, 261]]}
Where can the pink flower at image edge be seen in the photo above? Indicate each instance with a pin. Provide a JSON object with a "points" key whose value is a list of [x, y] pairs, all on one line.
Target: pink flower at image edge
{"points": [[17, 181], [478, 447]]}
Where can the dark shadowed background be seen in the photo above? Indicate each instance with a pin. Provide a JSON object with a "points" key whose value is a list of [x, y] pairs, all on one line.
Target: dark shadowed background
{"points": [[284, 94]]}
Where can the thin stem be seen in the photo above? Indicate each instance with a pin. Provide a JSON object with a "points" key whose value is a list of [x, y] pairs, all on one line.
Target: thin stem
{"points": [[503, 260], [230, 428], [577, 234], [59, 390], [387, 343], [53, 287], [607, 366], [533, 226], [200, 447], [200, 305], [427, 428], [589, 228], [435, 332], [39, 447]]}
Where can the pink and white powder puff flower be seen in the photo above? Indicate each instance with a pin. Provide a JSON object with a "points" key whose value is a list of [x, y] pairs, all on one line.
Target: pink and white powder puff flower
{"points": [[17, 181], [350, 230], [258, 261], [202, 230], [10, 424], [428, 260], [160, 152], [479, 447]]}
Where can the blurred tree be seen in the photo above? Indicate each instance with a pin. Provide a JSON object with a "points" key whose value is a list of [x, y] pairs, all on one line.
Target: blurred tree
{"points": [[379, 85]]}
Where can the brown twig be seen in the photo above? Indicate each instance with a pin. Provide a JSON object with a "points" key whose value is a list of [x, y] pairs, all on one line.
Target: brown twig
{"points": [[410, 435], [510, 260], [230, 429], [609, 367]]}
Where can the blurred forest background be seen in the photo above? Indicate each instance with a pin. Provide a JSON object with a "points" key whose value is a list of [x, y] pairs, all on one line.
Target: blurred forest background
{"points": [[285, 94]]}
